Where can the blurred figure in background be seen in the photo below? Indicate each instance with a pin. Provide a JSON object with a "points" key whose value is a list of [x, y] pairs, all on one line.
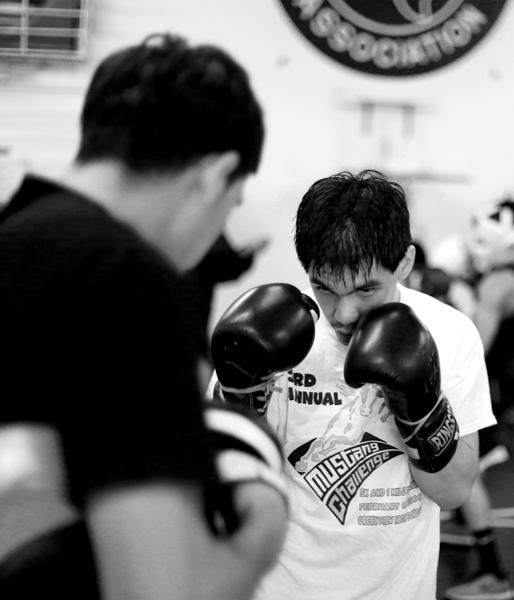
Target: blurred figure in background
{"points": [[483, 260], [491, 247], [481, 267], [425, 278]]}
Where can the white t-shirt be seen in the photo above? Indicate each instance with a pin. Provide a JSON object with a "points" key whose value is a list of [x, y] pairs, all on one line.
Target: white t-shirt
{"points": [[360, 528]]}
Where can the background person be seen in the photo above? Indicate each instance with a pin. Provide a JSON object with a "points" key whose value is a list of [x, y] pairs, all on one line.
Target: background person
{"points": [[485, 261], [96, 353]]}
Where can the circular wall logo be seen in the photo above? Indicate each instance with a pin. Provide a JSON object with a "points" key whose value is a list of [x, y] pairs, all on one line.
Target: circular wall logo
{"points": [[394, 37]]}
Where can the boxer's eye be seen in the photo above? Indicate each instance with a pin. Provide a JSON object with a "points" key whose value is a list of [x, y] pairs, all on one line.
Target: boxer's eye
{"points": [[367, 291], [322, 289]]}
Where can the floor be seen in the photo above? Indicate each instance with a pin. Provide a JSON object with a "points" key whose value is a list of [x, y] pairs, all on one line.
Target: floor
{"points": [[456, 562]]}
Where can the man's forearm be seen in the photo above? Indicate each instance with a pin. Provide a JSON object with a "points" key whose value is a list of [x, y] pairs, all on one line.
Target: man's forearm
{"points": [[451, 486]]}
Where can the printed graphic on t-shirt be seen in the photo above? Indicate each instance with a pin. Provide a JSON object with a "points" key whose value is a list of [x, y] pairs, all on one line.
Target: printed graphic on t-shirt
{"points": [[337, 478], [358, 407], [337, 464]]}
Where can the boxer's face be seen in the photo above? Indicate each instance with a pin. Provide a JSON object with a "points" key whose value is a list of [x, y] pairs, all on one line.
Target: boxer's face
{"points": [[344, 300]]}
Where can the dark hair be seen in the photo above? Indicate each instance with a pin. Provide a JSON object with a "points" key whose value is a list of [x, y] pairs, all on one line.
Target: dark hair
{"points": [[506, 202], [162, 104], [349, 222]]}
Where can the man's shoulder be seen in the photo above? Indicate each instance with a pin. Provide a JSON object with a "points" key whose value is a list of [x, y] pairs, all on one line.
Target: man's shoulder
{"points": [[436, 314], [42, 207], [46, 214], [456, 336]]}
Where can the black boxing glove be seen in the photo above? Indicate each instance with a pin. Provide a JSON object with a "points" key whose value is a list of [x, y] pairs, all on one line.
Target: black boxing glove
{"points": [[245, 449], [393, 349], [266, 331]]}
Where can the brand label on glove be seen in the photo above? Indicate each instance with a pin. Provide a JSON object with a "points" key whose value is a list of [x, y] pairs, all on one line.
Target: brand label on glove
{"points": [[446, 434]]}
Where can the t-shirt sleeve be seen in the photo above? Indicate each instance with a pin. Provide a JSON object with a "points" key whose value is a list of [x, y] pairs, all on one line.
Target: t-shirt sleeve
{"points": [[467, 386]]}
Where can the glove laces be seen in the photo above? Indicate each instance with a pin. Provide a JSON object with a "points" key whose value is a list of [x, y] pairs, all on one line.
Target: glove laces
{"points": [[267, 385]]}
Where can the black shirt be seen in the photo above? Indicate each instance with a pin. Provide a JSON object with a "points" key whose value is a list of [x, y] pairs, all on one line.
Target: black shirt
{"points": [[93, 342]]}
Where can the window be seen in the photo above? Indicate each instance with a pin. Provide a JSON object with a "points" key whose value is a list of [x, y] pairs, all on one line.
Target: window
{"points": [[43, 28]]}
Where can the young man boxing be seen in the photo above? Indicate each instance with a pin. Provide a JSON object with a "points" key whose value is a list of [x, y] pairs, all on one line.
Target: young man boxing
{"points": [[379, 422]]}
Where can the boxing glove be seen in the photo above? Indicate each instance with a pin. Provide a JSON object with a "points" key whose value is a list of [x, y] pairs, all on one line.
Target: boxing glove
{"points": [[393, 349], [245, 449], [266, 331]]}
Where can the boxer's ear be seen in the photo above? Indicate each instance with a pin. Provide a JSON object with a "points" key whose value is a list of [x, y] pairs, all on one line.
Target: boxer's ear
{"points": [[406, 263]]}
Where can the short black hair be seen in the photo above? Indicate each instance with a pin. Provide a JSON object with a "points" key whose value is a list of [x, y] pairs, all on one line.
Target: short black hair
{"points": [[163, 104], [348, 222]]}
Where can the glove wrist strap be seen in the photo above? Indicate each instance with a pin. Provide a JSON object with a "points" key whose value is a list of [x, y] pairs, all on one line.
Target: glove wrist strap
{"points": [[420, 422], [433, 442]]}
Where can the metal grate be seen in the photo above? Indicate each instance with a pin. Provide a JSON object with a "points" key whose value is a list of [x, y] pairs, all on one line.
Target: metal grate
{"points": [[43, 28]]}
